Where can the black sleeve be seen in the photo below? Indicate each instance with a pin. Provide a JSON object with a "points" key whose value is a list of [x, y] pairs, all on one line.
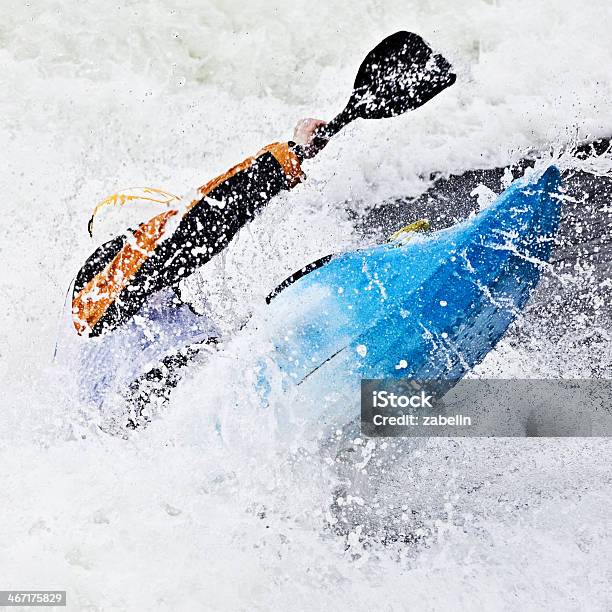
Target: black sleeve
{"points": [[205, 230]]}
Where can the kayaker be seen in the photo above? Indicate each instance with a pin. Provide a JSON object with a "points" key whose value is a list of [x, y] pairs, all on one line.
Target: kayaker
{"points": [[125, 272]]}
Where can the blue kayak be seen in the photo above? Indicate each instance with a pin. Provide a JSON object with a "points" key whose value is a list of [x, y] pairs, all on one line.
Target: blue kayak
{"points": [[430, 308]]}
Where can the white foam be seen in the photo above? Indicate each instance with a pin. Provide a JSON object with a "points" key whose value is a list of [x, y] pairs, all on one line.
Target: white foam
{"points": [[169, 94]]}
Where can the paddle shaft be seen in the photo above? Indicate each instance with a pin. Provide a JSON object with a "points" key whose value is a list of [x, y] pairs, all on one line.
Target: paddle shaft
{"points": [[323, 134]]}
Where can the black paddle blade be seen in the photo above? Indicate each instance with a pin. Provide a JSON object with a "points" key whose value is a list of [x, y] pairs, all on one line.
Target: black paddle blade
{"points": [[399, 74]]}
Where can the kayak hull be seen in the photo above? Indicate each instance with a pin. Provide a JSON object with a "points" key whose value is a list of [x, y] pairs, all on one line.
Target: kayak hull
{"points": [[429, 308]]}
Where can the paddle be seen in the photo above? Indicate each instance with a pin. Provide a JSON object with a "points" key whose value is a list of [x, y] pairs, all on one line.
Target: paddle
{"points": [[400, 74]]}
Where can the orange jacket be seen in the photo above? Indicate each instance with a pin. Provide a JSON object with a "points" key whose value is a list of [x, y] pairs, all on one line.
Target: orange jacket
{"points": [[119, 276]]}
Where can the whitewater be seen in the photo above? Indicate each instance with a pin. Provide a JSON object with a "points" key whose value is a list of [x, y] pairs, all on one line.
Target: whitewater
{"points": [[219, 504]]}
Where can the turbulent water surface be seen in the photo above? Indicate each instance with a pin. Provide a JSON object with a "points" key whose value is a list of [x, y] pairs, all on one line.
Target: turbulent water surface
{"points": [[218, 504]]}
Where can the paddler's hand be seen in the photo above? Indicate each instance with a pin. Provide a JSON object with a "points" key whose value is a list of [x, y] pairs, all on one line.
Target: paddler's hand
{"points": [[303, 134]]}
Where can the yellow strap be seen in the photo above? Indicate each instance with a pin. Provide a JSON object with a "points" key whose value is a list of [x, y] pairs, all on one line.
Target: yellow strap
{"points": [[132, 194], [422, 225]]}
